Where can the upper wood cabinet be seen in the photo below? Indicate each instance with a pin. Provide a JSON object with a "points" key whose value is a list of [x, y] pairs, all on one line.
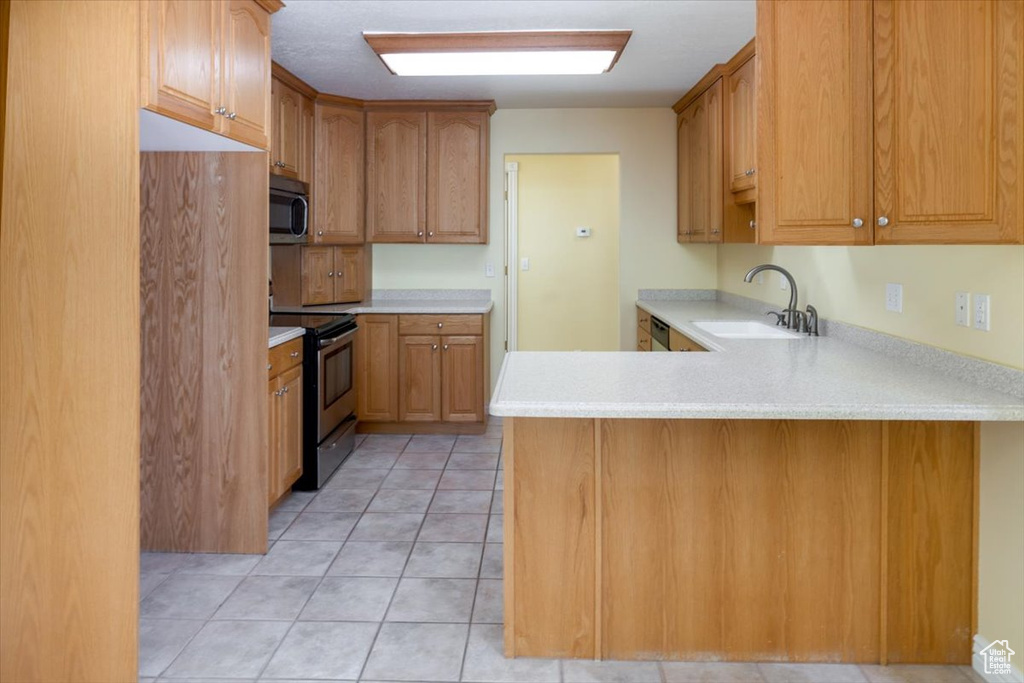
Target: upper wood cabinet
{"points": [[286, 142], [700, 168], [741, 126], [396, 176], [890, 122], [338, 189], [207, 63], [949, 122], [426, 176], [457, 146], [376, 368], [814, 122], [307, 142], [332, 275]]}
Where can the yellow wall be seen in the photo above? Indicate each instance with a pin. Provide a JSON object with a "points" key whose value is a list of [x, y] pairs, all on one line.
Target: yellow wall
{"points": [[848, 284], [644, 139], [569, 298], [1001, 543]]}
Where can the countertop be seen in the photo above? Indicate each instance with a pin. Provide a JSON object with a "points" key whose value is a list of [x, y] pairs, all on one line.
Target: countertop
{"points": [[280, 335], [424, 301], [805, 378]]}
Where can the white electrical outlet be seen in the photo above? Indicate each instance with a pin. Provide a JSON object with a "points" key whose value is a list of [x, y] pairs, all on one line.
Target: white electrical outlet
{"points": [[759, 278], [963, 309], [489, 270], [894, 297], [583, 232], [524, 263], [783, 282], [982, 313]]}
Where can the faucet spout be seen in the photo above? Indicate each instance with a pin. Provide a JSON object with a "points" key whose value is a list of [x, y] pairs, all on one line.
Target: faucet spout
{"points": [[791, 311]]}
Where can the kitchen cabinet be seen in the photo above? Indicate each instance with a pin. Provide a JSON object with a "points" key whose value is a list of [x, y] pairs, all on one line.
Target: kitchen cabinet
{"points": [[699, 137], [376, 368], [861, 142], [741, 127], [332, 275], [396, 183], [643, 330], [286, 145], [677, 341], [284, 408], [207, 63], [339, 201], [426, 175], [441, 375], [307, 142]]}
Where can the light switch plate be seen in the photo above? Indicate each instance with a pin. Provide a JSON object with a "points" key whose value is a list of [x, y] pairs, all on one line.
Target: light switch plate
{"points": [[963, 309], [489, 270], [783, 282], [583, 232], [894, 297], [982, 313], [524, 263]]}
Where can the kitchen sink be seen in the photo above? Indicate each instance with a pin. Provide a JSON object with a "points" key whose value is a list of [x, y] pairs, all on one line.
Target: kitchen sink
{"points": [[744, 329]]}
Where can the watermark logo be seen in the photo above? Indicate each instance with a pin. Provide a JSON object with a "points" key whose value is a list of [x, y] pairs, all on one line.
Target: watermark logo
{"points": [[997, 657]]}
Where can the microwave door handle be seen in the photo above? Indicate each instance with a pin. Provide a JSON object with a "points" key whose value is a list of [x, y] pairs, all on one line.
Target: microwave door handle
{"points": [[305, 215]]}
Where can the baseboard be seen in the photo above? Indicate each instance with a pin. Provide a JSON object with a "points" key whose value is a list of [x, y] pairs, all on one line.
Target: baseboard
{"points": [[978, 664]]}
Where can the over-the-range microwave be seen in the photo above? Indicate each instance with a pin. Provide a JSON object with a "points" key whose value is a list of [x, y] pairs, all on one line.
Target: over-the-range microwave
{"points": [[289, 210]]}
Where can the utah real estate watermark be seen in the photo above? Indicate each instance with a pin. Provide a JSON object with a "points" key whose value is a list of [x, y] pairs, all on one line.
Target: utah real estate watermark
{"points": [[997, 657]]}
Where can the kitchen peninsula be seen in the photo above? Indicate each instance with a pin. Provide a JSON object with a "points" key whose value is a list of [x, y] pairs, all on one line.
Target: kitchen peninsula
{"points": [[795, 500]]}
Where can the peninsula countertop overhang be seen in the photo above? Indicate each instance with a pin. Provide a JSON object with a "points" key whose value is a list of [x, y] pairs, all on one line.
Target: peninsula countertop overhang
{"points": [[809, 378]]}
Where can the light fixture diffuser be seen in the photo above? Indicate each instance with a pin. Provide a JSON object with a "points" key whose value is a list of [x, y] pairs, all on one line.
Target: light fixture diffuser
{"points": [[501, 53]]}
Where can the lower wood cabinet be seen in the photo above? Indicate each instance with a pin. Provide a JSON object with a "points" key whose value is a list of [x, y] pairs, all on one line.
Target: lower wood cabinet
{"points": [[411, 372], [643, 330], [677, 341], [284, 407], [333, 275]]}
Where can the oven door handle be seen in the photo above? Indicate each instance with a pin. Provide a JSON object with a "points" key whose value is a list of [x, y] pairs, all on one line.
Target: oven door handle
{"points": [[324, 343]]}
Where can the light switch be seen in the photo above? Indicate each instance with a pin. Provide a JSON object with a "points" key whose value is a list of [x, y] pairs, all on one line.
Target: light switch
{"points": [[963, 309], [524, 264], [489, 270]]}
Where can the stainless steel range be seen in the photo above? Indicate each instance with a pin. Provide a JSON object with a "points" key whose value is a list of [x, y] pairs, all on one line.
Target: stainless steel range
{"points": [[328, 431]]}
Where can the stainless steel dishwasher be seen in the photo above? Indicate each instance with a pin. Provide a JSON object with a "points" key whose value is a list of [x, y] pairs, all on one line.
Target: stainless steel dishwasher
{"points": [[659, 335]]}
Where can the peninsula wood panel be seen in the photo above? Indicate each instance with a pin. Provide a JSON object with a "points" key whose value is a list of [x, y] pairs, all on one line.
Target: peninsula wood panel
{"points": [[396, 183], [338, 187], [204, 322], [739, 539], [245, 66], [457, 152], [376, 353], [419, 379], [553, 567], [69, 342], [931, 552], [955, 177], [814, 127]]}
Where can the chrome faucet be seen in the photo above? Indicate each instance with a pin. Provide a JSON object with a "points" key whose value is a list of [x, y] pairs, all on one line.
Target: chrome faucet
{"points": [[791, 316]]}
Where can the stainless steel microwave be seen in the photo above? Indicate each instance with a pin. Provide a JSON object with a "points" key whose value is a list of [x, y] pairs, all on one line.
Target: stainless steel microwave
{"points": [[289, 210]]}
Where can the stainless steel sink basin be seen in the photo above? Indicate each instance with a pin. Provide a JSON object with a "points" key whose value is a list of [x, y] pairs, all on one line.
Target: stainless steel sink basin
{"points": [[744, 329]]}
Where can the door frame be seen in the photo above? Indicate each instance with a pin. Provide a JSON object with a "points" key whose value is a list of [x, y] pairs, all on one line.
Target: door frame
{"points": [[511, 255]]}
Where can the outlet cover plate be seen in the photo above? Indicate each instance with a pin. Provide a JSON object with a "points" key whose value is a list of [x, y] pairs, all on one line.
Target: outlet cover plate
{"points": [[982, 313], [894, 297], [963, 309]]}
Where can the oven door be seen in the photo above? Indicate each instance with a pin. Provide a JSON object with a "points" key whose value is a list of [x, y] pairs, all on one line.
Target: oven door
{"points": [[336, 398]]}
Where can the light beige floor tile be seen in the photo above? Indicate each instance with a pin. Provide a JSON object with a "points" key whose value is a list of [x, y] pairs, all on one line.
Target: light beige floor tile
{"points": [[913, 673], [433, 600], [710, 672], [320, 650], [229, 649], [486, 661], [417, 652], [588, 671], [811, 673], [350, 598], [374, 558], [161, 640]]}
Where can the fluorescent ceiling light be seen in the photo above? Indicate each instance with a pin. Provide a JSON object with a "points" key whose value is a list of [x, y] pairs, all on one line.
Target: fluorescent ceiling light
{"points": [[503, 53]]}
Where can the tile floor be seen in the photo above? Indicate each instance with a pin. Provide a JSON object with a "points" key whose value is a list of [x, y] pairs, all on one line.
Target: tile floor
{"points": [[392, 572]]}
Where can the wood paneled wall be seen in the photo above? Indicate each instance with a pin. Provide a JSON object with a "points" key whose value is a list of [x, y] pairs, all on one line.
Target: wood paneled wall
{"points": [[69, 343], [204, 352], [741, 540]]}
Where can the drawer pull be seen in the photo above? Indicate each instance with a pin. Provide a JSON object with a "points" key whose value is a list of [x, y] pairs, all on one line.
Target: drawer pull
{"points": [[294, 354]]}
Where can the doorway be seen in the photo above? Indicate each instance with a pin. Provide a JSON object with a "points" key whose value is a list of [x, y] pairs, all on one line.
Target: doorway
{"points": [[563, 252]]}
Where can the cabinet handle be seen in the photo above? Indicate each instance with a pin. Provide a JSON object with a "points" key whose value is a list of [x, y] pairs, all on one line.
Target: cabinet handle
{"points": [[294, 354], [883, 221], [285, 390], [233, 116], [715, 231], [434, 347], [269, 366], [753, 225], [749, 172], [857, 223], [220, 110]]}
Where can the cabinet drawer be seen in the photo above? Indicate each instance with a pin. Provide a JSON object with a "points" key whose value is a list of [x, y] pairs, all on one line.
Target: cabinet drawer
{"points": [[643, 339], [677, 341], [440, 324], [643, 320], [284, 356]]}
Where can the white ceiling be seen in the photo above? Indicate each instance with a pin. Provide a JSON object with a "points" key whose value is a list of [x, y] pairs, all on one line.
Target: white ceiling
{"points": [[674, 43]]}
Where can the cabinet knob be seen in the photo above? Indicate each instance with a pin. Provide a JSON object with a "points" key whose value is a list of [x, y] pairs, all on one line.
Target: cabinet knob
{"points": [[753, 225], [285, 390], [220, 110], [294, 354], [883, 221], [233, 116], [320, 233], [749, 172], [419, 234], [445, 347], [715, 231], [434, 347], [857, 223], [330, 274], [440, 325], [269, 366], [430, 234]]}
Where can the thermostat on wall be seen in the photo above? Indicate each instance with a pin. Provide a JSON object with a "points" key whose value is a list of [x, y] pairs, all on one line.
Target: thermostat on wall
{"points": [[583, 232]]}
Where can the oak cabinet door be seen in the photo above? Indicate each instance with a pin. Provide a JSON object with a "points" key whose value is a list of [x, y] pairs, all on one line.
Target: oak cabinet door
{"points": [[307, 135], [274, 440], [695, 178], [419, 383], [949, 128], [246, 73], [285, 152], [814, 135], [742, 126], [457, 153], [181, 60], [349, 274], [317, 275], [684, 141], [396, 184], [338, 196], [462, 386], [376, 351], [289, 467], [711, 164]]}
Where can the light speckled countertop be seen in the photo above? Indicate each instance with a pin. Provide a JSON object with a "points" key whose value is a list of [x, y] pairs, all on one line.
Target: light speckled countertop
{"points": [[805, 378], [424, 301], [280, 335]]}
